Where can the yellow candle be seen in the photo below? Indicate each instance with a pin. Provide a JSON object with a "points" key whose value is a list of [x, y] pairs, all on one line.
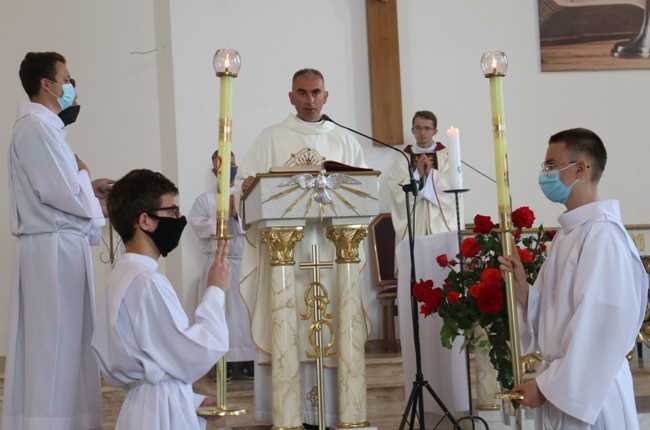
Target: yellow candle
{"points": [[505, 216], [500, 154], [225, 145]]}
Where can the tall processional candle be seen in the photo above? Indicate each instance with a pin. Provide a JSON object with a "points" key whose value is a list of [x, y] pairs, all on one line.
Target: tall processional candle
{"points": [[226, 64], [455, 167], [494, 65]]}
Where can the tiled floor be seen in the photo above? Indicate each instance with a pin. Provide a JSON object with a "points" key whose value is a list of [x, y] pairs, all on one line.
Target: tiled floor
{"points": [[386, 401]]}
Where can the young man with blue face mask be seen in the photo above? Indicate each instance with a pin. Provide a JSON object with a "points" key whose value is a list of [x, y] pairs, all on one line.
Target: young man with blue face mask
{"points": [[586, 307], [51, 377], [202, 218]]}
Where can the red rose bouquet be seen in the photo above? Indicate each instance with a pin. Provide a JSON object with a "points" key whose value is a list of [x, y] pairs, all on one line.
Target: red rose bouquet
{"points": [[475, 296]]}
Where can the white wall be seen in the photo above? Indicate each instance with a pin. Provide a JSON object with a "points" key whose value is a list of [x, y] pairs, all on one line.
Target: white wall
{"points": [[160, 110], [117, 129]]}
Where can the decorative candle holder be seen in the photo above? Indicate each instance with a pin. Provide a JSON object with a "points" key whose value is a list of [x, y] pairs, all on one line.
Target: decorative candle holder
{"points": [[226, 63], [494, 65]]}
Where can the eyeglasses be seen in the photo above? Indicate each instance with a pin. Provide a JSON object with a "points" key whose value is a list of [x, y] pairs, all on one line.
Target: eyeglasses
{"points": [[174, 211], [420, 128], [548, 167]]}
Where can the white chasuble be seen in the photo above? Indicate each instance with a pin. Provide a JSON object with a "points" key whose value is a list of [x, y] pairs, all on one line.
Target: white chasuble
{"points": [[434, 209], [293, 142]]}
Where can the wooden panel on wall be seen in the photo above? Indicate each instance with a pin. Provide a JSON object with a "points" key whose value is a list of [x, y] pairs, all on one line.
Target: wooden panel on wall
{"points": [[383, 59]]}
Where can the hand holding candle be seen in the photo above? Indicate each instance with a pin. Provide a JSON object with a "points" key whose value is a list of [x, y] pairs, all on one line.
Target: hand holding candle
{"points": [[455, 167]]}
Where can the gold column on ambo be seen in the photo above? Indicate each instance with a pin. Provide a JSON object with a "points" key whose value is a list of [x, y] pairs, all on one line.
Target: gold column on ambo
{"points": [[494, 65]]}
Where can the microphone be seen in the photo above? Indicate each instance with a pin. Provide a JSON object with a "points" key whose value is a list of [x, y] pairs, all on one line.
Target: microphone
{"points": [[413, 187]]}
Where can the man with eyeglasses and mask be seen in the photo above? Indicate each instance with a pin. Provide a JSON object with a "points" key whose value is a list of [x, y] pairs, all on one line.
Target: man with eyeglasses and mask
{"points": [[143, 339], [303, 138], [51, 377], [203, 220], [434, 210], [586, 307]]}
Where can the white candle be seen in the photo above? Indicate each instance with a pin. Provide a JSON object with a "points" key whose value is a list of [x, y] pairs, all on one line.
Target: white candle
{"points": [[455, 166]]}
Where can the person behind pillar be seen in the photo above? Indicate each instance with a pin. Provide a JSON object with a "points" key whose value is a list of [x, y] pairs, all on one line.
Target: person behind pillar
{"points": [[202, 218], [586, 307], [51, 377], [143, 340], [303, 138], [435, 210]]}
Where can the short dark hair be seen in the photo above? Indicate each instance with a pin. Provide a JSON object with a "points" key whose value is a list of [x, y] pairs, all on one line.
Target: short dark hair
{"points": [[583, 142], [426, 114], [307, 72], [138, 191], [35, 66]]}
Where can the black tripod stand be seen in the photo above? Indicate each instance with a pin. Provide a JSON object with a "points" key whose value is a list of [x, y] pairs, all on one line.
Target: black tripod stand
{"points": [[415, 405]]}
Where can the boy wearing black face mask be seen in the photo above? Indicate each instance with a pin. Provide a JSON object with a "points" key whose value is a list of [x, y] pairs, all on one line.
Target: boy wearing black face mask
{"points": [[142, 339]]}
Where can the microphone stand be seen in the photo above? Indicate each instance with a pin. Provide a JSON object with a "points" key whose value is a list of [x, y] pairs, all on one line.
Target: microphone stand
{"points": [[415, 404]]}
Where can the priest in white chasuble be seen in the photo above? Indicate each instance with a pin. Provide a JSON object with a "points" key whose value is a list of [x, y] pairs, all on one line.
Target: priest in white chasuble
{"points": [[435, 210], [586, 307], [301, 139]]}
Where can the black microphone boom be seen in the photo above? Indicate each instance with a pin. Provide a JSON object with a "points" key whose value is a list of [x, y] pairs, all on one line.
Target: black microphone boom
{"points": [[413, 188]]}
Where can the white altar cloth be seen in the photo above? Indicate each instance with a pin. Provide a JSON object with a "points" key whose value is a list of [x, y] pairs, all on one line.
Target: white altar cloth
{"points": [[444, 369]]}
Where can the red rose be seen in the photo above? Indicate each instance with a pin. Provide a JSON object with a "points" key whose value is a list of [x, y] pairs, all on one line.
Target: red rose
{"points": [[420, 289], [432, 301], [475, 289], [491, 277], [551, 234], [453, 297], [425, 310], [523, 217], [452, 262], [442, 260], [490, 299], [469, 248], [525, 255], [517, 234], [483, 224]]}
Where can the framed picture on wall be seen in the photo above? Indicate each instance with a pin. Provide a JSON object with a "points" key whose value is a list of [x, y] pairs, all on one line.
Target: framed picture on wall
{"points": [[594, 34]]}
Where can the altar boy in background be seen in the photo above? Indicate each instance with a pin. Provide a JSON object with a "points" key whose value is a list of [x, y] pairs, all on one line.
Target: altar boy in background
{"points": [[143, 340], [435, 210], [202, 218], [586, 307]]}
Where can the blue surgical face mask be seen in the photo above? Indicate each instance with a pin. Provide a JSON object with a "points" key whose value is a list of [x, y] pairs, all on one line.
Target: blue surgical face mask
{"points": [[69, 93], [552, 186]]}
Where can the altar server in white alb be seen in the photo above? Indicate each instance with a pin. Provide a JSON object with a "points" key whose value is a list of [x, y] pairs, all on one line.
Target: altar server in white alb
{"points": [[434, 209], [51, 377], [303, 138], [588, 302], [202, 219], [143, 340]]}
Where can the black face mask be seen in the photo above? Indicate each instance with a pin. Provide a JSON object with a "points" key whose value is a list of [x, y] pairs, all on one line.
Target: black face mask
{"points": [[69, 115], [168, 233]]}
